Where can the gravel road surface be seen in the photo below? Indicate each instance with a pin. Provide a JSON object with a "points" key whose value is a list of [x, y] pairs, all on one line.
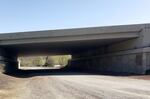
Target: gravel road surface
{"points": [[74, 86]]}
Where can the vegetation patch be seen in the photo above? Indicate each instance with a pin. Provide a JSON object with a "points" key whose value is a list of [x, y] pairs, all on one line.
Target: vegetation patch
{"points": [[44, 61]]}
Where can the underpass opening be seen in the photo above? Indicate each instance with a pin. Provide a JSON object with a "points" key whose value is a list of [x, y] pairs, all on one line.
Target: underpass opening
{"points": [[43, 62], [116, 49]]}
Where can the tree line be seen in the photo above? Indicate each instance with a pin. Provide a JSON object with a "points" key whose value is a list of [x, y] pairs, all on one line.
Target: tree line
{"points": [[45, 61]]}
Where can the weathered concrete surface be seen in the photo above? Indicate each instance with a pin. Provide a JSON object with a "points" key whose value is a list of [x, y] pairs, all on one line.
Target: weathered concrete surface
{"points": [[124, 31], [80, 86], [128, 63], [130, 56], [68, 40]]}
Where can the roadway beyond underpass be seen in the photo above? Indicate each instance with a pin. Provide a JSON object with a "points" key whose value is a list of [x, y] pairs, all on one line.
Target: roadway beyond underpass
{"points": [[43, 84]]}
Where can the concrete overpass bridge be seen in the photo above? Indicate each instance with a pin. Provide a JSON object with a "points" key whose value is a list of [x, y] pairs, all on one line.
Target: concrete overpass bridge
{"points": [[113, 48]]}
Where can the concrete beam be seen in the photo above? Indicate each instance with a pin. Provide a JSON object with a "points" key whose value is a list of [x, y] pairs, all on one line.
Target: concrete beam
{"points": [[79, 34], [69, 38], [74, 32]]}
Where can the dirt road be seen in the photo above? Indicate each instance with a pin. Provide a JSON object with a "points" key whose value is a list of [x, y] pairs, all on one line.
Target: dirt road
{"points": [[79, 86]]}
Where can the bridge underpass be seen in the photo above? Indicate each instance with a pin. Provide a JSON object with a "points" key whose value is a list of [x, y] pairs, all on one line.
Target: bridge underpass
{"points": [[112, 48]]}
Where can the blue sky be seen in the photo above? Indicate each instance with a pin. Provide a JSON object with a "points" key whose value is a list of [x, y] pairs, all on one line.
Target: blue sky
{"points": [[33, 15]]}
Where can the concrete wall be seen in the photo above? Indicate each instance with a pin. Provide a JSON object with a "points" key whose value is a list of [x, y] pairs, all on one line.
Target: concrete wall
{"points": [[125, 62], [130, 56], [8, 61], [142, 41], [148, 61]]}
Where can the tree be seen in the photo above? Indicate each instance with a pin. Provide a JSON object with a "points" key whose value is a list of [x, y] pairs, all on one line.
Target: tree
{"points": [[38, 61], [63, 60], [49, 62]]}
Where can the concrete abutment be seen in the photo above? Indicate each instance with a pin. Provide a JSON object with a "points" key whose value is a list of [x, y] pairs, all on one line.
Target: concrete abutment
{"points": [[132, 61], [129, 56], [8, 62]]}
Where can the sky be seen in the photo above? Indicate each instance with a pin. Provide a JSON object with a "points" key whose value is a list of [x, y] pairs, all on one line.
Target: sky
{"points": [[35, 15]]}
